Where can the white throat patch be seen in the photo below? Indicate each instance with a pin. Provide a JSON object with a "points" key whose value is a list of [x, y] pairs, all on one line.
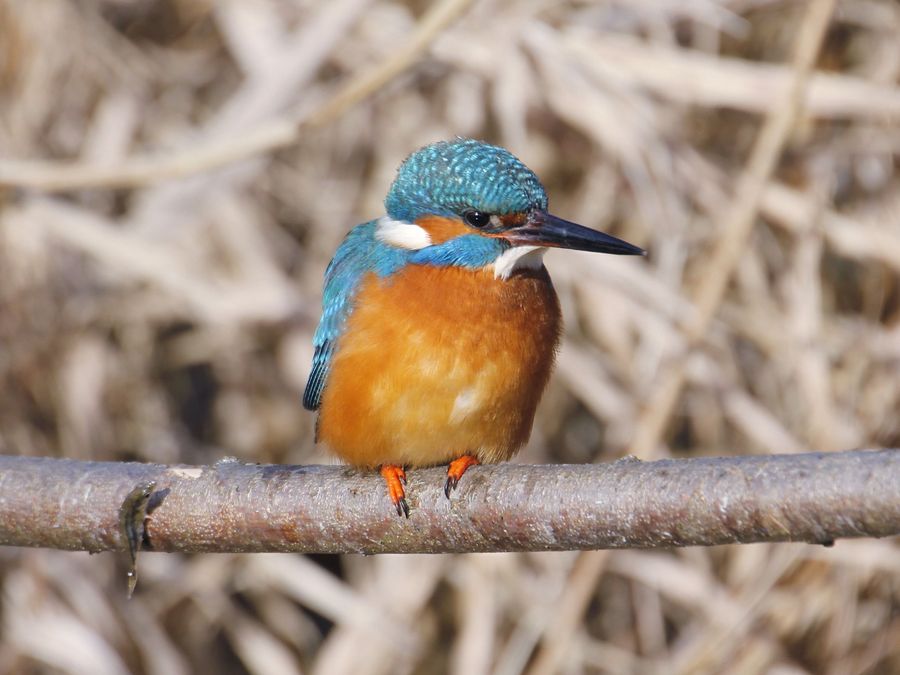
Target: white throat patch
{"points": [[518, 257], [402, 234]]}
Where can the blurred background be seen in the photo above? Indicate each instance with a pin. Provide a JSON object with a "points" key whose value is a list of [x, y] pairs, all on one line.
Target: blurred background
{"points": [[171, 320]]}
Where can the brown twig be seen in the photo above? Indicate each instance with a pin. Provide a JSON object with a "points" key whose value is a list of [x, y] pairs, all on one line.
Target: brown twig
{"points": [[817, 497], [54, 176], [737, 225]]}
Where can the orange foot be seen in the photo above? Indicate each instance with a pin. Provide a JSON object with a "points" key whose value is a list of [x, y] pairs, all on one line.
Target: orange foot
{"points": [[456, 470], [395, 478]]}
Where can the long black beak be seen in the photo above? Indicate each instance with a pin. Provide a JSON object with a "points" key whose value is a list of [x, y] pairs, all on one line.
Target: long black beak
{"points": [[543, 229]]}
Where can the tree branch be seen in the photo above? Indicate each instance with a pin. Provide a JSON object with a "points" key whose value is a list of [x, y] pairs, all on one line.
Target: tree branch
{"points": [[232, 506]]}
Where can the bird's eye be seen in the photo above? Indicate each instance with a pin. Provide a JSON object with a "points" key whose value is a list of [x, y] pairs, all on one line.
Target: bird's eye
{"points": [[477, 218]]}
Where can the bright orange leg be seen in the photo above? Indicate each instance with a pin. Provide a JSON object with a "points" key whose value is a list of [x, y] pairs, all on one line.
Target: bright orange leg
{"points": [[456, 470], [395, 478]]}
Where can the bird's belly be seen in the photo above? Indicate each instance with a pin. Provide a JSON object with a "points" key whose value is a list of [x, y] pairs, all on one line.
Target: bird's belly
{"points": [[438, 362]]}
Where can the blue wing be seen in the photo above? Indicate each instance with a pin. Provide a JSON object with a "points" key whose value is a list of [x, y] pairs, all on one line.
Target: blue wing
{"points": [[359, 254]]}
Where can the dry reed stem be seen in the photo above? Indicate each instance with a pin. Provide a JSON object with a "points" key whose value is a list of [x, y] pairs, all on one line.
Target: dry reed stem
{"points": [[737, 225], [273, 135], [556, 643]]}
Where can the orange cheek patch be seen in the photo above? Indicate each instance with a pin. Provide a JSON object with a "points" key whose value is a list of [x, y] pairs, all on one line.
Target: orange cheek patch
{"points": [[513, 219], [442, 229]]}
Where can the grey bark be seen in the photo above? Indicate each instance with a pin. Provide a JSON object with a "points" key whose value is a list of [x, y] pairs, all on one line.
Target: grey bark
{"points": [[234, 507]]}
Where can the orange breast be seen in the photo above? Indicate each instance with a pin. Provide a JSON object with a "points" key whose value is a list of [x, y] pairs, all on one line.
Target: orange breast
{"points": [[438, 362]]}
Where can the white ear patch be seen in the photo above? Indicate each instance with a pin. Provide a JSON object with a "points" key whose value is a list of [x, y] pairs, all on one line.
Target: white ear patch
{"points": [[518, 257], [402, 234]]}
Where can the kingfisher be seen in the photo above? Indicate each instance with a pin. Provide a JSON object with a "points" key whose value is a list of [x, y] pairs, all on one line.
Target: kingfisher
{"points": [[440, 324]]}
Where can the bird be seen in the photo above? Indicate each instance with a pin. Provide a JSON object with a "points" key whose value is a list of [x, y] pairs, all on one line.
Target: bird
{"points": [[440, 324]]}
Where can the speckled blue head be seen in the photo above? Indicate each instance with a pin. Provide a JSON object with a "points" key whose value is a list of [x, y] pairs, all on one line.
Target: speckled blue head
{"points": [[447, 178]]}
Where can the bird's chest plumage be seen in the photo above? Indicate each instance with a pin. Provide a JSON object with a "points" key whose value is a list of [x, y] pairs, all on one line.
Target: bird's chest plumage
{"points": [[436, 362]]}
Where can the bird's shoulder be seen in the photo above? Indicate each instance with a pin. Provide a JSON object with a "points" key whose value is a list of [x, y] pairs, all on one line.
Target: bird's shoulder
{"points": [[360, 253]]}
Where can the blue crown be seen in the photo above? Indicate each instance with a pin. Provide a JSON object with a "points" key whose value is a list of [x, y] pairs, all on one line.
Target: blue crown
{"points": [[449, 177]]}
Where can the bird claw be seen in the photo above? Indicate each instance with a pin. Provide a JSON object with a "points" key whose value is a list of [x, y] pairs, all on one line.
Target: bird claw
{"points": [[395, 478], [450, 485], [456, 470]]}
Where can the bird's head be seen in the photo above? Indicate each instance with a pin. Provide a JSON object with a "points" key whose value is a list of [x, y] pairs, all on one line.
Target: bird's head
{"points": [[484, 200]]}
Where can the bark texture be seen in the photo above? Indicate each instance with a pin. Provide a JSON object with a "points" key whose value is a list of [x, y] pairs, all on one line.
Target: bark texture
{"points": [[231, 506]]}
